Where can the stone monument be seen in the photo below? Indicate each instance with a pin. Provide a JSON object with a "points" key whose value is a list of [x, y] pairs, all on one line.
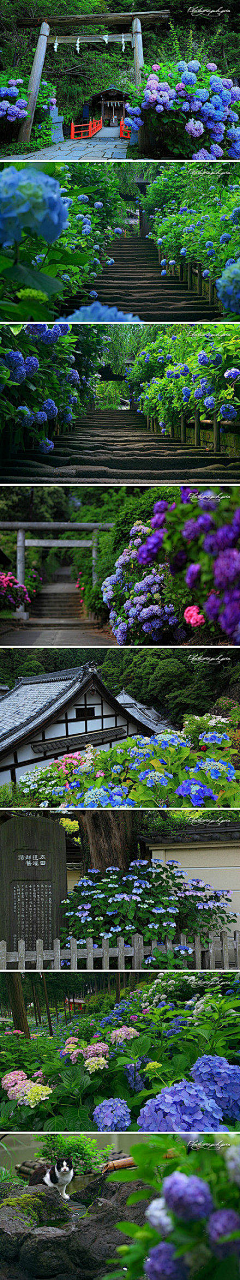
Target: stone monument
{"points": [[33, 880]]}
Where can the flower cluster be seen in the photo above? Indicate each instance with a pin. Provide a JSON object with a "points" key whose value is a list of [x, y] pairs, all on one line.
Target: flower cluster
{"points": [[11, 591], [112, 1115], [190, 1199], [30, 200], [210, 529], [196, 99], [24, 1091], [139, 608], [12, 105]]}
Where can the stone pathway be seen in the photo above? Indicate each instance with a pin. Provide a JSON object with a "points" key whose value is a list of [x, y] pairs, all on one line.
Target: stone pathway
{"points": [[55, 635], [106, 145]]}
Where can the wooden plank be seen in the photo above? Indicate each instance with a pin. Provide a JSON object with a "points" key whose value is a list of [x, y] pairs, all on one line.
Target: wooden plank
{"points": [[21, 954], [198, 952], [95, 736], [89, 953], [121, 953], [225, 944], [237, 947], [39, 954], [73, 954], [3, 956], [56, 954], [105, 953]]}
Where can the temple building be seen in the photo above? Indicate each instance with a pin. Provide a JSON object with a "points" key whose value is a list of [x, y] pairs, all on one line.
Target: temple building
{"points": [[46, 716]]}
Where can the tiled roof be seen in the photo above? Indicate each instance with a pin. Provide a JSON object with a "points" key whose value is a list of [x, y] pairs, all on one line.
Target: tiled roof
{"points": [[147, 715], [33, 698]]}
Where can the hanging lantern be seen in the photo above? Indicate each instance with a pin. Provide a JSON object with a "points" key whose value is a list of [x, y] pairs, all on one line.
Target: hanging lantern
{"points": [[78, 45], [123, 44], [55, 46]]}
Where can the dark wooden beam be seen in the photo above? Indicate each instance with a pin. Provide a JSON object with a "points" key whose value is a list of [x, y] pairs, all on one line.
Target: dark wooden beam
{"points": [[52, 746], [73, 21]]}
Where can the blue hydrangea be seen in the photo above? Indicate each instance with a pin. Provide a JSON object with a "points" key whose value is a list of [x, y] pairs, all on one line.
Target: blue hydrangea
{"points": [[30, 200], [181, 1107], [112, 1114], [221, 1081], [50, 408]]}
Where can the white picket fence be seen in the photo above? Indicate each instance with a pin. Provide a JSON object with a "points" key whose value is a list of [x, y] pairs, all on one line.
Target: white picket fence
{"points": [[223, 952]]}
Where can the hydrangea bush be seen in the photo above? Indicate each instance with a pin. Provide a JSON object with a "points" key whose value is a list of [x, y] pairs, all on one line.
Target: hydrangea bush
{"points": [[12, 592], [188, 110], [14, 109], [55, 237], [139, 608], [192, 1221], [196, 217], [200, 534], [150, 899], [191, 368], [140, 1065], [40, 391], [159, 771]]}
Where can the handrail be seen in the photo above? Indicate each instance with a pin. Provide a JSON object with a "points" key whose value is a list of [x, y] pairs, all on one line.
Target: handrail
{"points": [[79, 131]]}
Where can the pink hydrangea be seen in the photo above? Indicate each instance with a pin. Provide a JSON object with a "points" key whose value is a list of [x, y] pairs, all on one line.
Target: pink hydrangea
{"points": [[123, 1033], [193, 616]]}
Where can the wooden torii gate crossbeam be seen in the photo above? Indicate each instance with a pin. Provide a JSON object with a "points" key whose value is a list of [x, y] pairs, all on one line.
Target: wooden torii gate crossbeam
{"points": [[45, 38]]}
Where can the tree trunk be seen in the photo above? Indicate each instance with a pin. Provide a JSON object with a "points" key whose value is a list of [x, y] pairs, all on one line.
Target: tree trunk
{"points": [[47, 1005], [15, 991], [110, 838]]}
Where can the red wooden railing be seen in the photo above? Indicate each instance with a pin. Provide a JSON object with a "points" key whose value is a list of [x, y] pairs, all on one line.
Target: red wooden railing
{"points": [[125, 132], [85, 130]]}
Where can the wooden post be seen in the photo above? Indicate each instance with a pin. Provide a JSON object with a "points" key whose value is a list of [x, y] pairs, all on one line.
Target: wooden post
{"points": [[94, 558], [34, 82], [199, 280], [189, 274], [197, 427], [137, 49], [183, 429], [216, 434]]}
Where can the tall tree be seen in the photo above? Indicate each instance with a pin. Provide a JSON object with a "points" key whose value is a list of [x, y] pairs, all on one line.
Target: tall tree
{"points": [[110, 837], [16, 997]]}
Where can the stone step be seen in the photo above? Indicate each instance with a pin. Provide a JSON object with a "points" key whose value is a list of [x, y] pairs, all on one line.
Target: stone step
{"points": [[134, 284]]}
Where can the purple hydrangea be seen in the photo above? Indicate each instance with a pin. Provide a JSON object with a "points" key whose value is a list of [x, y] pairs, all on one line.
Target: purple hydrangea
{"points": [[221, 1081], [222, 1223], [111, 1115], [162, 1264], [189, 1198], [181, 1107]]}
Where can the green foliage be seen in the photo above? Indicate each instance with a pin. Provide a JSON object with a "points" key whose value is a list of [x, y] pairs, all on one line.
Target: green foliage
{"points": [[83, 1151], [154, 1160], [147, 1025]]}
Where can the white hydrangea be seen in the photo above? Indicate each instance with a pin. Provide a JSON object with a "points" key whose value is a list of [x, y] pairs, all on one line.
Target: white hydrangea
{"points": [[158, 1217]]}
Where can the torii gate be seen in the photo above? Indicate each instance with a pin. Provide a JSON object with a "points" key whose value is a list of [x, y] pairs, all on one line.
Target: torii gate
{"points": [[108, 19], [46, 526]]}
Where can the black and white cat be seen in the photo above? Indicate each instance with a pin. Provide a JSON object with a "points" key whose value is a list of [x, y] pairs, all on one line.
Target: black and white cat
{"points": [[58, 1176]]}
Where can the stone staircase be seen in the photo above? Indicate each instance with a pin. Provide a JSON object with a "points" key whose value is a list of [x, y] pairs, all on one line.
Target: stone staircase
{"points": [[135, 285], [116, 447]]}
